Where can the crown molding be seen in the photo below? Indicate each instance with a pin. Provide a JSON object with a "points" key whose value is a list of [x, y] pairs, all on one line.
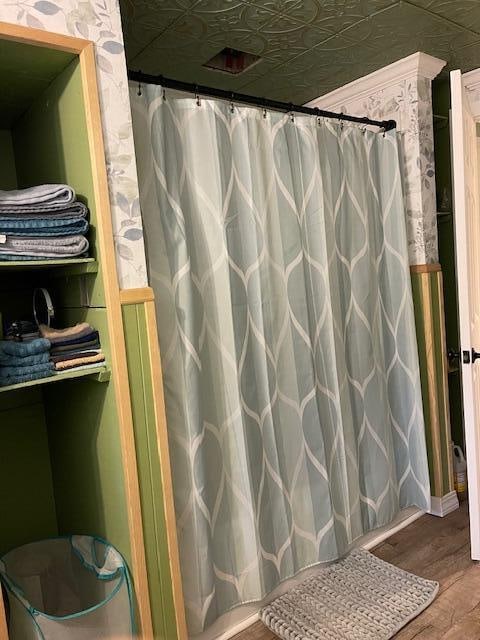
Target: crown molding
{"points": [[416, 65]]}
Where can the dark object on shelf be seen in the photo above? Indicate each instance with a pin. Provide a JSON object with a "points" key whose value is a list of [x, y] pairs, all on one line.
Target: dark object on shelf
{"points": [[21, 330]]}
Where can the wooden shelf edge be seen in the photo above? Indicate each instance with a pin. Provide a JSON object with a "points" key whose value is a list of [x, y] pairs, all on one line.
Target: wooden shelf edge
{"points": [[73, 266], [98, 374]]}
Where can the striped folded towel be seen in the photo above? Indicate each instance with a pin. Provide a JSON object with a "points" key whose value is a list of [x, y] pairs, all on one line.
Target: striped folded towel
{"points": [[16, 247], [52, 212], [42, 194]]}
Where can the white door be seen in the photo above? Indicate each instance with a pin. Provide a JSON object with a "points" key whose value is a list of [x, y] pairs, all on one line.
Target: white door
{"points": [[467, 251]]}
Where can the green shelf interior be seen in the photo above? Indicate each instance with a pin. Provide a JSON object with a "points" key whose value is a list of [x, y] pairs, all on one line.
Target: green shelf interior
{"points": [[100, 374], [61, 468]]}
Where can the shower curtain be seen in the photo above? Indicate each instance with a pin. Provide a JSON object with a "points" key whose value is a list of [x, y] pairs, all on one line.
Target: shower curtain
{"points": [[277, 252]]}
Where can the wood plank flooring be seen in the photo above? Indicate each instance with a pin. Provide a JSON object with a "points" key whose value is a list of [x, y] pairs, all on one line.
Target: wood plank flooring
{"points": [[439, 549]]}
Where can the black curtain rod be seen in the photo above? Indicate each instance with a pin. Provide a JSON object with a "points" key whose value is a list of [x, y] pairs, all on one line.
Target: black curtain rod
{"points": [[169, 83]]}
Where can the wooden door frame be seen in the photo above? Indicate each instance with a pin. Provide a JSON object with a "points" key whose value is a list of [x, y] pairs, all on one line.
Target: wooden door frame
{"points": [[85, 51], [472, 438]]}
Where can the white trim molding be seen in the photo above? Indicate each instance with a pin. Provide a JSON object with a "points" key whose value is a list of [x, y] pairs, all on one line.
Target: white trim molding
{"points": [[418, 64], [402, 91], [443, 506]]}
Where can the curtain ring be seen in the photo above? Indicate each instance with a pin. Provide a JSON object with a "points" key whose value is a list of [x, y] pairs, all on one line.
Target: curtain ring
{"points": [[232, 106], [139, 91], [291, 113], [384, 132], [164, 95], [197, 97], [364, 130]]}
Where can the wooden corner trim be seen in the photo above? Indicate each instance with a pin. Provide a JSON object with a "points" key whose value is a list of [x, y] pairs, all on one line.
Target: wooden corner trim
{"points": [[425, 268], [117, 338], [165, 468], [42, 38], [136, 296]]}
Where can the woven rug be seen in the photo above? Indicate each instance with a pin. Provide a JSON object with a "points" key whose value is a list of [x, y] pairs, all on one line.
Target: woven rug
{"points": [[358, 598]]}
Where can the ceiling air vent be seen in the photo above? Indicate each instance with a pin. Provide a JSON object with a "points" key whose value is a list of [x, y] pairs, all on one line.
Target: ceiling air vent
{"points": [[232, 61]]}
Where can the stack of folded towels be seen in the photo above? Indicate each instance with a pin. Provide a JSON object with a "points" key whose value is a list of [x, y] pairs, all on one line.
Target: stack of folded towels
{"points": [[76, 347], [41, 223], [24, 361]]}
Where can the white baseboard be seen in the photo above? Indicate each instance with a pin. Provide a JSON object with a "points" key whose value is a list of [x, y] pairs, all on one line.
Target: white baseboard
{"points": [[446, 504], [372, 540], [238, 628]]}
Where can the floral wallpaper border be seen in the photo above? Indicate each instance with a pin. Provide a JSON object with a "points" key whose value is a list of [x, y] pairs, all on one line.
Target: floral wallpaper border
{"points": [[99, 21]]}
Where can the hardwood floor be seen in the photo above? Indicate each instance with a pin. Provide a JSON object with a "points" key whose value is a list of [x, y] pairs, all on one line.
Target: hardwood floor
{"points": [[435, 548]]}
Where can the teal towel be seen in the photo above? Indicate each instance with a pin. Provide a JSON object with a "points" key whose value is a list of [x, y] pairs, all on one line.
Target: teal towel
{"points": [[13, 372], [22, 349], [25, 378], [26, 361]]}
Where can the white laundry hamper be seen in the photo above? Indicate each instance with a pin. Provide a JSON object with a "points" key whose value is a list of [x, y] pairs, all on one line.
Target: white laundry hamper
{"points": [[74, 588]]}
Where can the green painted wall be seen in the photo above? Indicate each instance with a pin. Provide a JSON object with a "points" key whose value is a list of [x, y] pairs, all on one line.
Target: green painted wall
{"points": [[25, 72], [85, 449], [26, 491], [51, 145], [158, 565], [446, 247], [8, 176]]}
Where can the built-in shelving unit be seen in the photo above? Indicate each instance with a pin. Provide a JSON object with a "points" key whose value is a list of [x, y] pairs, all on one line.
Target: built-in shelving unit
{"points": [[68, 461]]}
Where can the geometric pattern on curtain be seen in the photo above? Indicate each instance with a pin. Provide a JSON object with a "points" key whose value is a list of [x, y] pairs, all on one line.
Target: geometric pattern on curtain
{"points": [[277, 252]]}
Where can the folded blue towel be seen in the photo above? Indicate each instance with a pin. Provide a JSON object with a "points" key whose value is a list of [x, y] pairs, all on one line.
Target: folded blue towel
{"points": [[71, 348], [25, 378], [25, 212], [44, 226], [88, 337], [25, 361], [13, 372], [22, 349]]}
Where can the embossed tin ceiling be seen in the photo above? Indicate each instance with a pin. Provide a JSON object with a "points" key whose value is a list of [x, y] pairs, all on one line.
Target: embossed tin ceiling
{"points": [[308, 47]]}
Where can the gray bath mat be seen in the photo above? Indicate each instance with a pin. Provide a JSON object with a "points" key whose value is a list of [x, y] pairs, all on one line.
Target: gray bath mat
{"points": [[358, 598]]}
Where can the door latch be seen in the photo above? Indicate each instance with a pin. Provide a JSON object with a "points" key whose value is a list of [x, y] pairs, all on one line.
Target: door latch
{"points": [[465, 355], [468, 357]]}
